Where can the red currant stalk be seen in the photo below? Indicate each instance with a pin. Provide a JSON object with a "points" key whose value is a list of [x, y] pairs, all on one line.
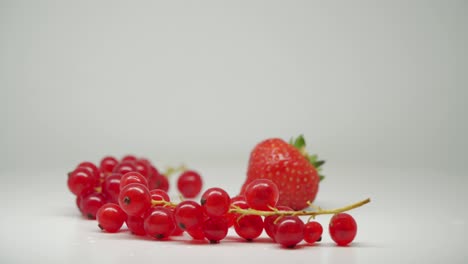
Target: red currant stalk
{"points": [[312, 214]]}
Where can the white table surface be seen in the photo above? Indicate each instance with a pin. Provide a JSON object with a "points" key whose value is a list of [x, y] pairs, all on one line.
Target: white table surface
{"points": [[416, 216]]}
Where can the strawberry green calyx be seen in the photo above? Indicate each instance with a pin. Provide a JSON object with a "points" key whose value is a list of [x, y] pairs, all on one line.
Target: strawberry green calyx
{"points": [[300, 144]]}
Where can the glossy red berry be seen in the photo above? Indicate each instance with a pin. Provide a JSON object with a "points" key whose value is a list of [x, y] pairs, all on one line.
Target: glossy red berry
{"points": [[189, 184], [135, 199], [136, 225], [91, 203], [80, 180], [261, 194], [342, 228], [91, 167], [215, 202], [270, 225], [159, 195], [196, 232], [249, 227], [289, 231], [129, 158], [215, 229], [124, 167], [132, 177], [159, 223], [108, 164], [188, 214], [313, 232], [162, 182], [111, 187], [143, 167], [110, 217]]}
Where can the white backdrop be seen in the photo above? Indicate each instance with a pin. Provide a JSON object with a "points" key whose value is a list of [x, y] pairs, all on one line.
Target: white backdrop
{"points": [[369, 84]]}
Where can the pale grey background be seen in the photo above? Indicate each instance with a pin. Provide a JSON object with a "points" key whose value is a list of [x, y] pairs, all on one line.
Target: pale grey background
{"points": [[378, 88], [370, 83]]}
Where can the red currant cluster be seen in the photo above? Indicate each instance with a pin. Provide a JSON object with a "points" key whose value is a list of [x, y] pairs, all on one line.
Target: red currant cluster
{"points": [[132, 191]]}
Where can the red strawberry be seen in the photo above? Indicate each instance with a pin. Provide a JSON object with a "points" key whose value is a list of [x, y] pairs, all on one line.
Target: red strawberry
{"points": [[288, 165]]}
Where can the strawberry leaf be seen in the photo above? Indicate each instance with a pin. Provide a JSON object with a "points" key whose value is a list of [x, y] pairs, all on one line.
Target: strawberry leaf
{"points": [[299, 143]]}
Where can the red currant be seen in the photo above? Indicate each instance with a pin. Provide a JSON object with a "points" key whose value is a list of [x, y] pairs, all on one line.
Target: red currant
{"points": [[249, 227], [159, 195], [188, 214], [262, 194], [342, 228], [129, 158], [313, 232], [136, 225], [162, 182], [215, 202], [189, 184], [143, 167], [215, 229], [196, 232], [91, 203], [135, 199], [110, 217], [80, 180], [159, 223], [132, 177], [124, 167], [270, 226], [91, 167], [289, 231], [108, 164], [111, 187]]}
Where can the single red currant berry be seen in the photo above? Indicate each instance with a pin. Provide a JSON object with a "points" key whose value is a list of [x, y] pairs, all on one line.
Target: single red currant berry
{"points": [[196, 232], [129, 158], [289, 231], [313, 232], [215, 202], [215, 229], [189, 184], [262, 194], [108, 164], [132, 177], [342, 228], [111, 187], [159, 195], [135, 199], [188, 214], [270, 226], [136, 225], [124, 167], [159, 222], [161, 182], [80, 180], [143, 167], [249, 227], [91, 167], [91, 203], [110, 217]]}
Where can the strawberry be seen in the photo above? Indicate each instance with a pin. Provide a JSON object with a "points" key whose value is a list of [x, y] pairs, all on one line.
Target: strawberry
{"points": [[295, 172]]}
